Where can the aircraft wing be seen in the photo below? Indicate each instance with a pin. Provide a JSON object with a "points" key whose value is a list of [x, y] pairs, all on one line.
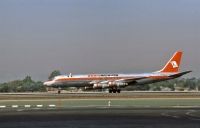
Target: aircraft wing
{"points": [[130, 80], [124, 80]]}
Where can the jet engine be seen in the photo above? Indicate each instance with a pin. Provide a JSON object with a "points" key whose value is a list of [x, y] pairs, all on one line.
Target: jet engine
{"points": [[109, 84], [100, 85], [118, 84]]}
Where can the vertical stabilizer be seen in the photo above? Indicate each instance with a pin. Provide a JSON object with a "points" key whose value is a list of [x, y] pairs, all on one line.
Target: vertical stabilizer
{"points": [[174, 63]]}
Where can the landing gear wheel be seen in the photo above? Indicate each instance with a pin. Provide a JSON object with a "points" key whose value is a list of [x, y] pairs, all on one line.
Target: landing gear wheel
{"points": [[110, 90], [114, 91], [118, 90], [59, 90]]}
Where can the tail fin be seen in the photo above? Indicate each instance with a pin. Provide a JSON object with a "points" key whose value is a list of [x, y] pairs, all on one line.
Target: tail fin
{"points": [[174, 63]]}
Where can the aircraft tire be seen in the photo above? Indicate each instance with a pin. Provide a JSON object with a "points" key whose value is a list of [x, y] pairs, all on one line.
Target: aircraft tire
{"points": [[114, 91], [118, 90]]}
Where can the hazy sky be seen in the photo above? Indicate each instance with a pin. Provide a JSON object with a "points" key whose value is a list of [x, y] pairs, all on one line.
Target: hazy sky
{"points": [[96, 36]]}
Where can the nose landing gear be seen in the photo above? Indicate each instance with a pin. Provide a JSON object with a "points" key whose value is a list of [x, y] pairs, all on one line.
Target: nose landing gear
{"points": [[59, 90]]}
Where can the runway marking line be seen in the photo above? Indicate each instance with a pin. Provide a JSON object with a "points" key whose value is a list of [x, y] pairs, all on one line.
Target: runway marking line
{"points": [[52, 105], [114, 99], [27, 106], [169, 115], [39, 106], [15, 106], [2, 106]]}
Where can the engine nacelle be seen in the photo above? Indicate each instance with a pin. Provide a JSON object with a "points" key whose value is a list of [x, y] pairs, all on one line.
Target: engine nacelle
{"points": [[88, 88], [109, 84], [118, 84], [100, 85], [97, 86]]}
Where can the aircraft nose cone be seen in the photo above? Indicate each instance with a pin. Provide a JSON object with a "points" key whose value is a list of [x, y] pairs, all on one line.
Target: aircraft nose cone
{"points": [[48, 83]]}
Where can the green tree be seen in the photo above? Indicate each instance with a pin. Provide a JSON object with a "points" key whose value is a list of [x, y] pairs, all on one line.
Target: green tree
{"points": [[25, 85], [53, 74], [28, 79], [4, 87]]}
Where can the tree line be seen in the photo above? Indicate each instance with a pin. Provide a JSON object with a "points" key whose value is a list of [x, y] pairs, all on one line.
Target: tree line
{"points": [[25, 85], [179, 84], [29, 85]]}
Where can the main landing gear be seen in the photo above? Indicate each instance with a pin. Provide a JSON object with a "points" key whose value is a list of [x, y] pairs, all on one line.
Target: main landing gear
{"points": [[112, 90]]}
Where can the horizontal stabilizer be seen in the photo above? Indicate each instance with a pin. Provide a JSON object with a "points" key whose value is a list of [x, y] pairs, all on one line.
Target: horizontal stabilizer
{"points": [[180, 74]]}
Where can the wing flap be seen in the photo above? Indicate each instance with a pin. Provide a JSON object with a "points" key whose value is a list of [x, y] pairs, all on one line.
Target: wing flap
{"points": [[130, 80]]}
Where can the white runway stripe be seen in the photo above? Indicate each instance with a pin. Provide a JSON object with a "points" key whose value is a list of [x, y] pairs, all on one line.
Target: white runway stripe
{"points": [[39, 106], [2, 106], [52, 105], [27, 106], [14, 106]]}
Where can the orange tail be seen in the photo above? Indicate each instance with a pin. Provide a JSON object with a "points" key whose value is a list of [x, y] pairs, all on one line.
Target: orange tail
{"points": [[173, 64]]}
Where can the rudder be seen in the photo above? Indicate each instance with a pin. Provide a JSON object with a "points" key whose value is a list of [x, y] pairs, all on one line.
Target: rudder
{"points": [[174, 63]]}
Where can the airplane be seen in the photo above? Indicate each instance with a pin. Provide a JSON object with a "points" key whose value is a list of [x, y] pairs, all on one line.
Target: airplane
{"points": [[114, 82]]}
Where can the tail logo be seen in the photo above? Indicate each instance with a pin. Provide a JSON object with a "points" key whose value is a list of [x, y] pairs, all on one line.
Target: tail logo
{"points": [[174, 64]]}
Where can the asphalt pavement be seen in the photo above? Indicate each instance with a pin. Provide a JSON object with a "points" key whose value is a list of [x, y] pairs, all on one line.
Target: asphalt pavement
{"points": [[100, 110], [103, 117]]}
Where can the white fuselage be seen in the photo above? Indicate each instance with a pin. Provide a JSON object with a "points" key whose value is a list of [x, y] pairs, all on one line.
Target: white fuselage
{"points": [[91, 79]]}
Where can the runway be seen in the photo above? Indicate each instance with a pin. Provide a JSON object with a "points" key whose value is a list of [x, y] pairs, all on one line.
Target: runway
{"points": [[20, 101], [96, 95], [102, 117], [98, 110]]}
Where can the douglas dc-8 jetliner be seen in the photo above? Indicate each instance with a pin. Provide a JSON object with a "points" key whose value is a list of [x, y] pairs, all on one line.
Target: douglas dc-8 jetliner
{"points": [[114, 82]]}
